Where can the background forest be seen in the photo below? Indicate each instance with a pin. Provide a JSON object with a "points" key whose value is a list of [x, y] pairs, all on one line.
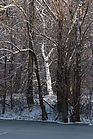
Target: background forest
{"points": [[46, 60]]}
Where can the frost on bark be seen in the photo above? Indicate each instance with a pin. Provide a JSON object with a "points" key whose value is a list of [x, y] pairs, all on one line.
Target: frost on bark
{"points": [[47, 70], [46, 59]]}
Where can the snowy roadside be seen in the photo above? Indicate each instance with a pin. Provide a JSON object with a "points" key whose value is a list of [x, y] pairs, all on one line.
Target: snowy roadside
{"points": [[21, 112]]}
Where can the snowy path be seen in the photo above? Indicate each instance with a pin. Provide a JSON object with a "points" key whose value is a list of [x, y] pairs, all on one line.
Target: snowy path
{"points": [[37, 130]]}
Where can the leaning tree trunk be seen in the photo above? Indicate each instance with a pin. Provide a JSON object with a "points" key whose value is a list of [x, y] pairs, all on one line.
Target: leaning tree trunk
{"points": [[44, 114]]}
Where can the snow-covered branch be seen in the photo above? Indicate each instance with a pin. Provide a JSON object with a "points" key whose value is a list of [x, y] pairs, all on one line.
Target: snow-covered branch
{"points": [[49, 54], [50, 10], [8, 42]]}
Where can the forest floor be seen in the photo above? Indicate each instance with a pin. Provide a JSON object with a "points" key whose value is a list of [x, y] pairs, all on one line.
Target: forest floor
{"points": [[20, 110]]}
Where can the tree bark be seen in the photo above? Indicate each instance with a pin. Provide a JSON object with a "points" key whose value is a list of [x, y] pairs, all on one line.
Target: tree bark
{"points": [[5, 87], [44, 114], [30, 100], [62, 96], [46, 59], [76, 93]]}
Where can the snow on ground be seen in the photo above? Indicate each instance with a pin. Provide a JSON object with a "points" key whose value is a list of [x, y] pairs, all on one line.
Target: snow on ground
{"points": [[51, 99], [35, 114], [21, 112]]}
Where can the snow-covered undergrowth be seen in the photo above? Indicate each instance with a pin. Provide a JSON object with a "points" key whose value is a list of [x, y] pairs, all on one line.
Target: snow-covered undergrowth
{"points": [[20, 110]]}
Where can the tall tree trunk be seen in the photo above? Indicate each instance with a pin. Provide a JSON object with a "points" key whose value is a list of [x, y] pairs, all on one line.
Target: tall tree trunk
{"points": [[48, 78], [5, 86], [30, 100], [11, 82], [62, 96], [46, 60], [76, 110], [11, 68], [5, 73]]}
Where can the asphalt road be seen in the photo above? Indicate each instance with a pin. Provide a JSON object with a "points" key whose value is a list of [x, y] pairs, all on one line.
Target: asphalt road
{"points": [[38, 130]]}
